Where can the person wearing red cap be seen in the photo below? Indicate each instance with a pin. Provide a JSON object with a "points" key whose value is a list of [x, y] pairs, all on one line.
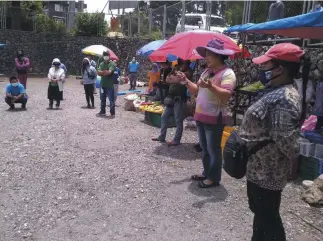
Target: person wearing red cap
{"points": [[274, 118]]}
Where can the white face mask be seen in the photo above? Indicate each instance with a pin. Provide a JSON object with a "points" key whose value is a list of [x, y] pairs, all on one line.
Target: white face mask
{"points": [[14, 84], [106, 58]]}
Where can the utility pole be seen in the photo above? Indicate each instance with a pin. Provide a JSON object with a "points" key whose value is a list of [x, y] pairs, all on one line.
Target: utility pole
{"points": [[164, 21], [183, 16]]}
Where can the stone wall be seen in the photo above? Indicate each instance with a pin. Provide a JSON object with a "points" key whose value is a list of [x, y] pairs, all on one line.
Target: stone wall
{"points": [[41, 49]]}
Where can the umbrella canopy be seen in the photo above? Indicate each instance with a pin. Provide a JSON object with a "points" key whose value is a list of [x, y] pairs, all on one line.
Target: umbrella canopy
{"points": [[97, 50], [308, 25], [183, 45], [239, 28], [149, 48], [1, 45]]}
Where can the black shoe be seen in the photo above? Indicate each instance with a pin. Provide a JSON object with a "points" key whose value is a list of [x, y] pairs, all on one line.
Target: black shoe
{"points": [[50, 106], [88, 106], [102, 113], [57, 106], [11, 108], [198, 148]]}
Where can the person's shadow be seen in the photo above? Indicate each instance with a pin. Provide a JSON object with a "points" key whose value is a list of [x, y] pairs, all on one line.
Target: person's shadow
{"points": [[212, 195], [184, 151]]}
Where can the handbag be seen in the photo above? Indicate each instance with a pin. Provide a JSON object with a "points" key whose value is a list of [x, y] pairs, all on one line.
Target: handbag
{"points": [[236, 155], [169, 101]]}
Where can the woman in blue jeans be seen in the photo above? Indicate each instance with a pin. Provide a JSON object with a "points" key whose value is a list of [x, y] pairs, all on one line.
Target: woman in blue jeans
{"points": [[213, 90]]}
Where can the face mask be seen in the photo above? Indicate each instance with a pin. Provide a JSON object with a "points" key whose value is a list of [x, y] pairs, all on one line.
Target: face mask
{"points": [[14, 84], [106, 58], [266, 76]]}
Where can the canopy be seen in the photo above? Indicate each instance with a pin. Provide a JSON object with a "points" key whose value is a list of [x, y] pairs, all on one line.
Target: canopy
{"points": [[97, 50], [308, 25], [183, 45], [1, 45], [239, 28]]}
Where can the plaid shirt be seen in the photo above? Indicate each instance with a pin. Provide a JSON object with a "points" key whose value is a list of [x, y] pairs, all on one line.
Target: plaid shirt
{"points": [[274, 116]]}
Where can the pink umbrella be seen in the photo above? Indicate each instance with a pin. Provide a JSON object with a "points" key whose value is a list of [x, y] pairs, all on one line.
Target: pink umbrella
{"points": [[183, 45]]}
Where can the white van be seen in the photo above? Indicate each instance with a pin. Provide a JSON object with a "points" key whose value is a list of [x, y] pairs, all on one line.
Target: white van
{"points": [[196, 21]]}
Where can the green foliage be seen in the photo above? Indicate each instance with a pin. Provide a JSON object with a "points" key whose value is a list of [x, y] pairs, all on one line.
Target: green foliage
{"points": [[234, 12], [47, 25], [30, 8], [91, 24]]}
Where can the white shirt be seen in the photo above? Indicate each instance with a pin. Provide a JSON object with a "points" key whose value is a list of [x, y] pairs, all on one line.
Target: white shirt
{"points": [[58, 74]]}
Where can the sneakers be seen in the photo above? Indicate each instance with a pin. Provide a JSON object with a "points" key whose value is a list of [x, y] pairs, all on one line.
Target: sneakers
{"points": [[50, 107], [102, 113], [88, 106]]}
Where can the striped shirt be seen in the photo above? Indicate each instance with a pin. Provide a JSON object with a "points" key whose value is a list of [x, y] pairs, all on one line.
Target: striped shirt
{"points": [[208, 104]]}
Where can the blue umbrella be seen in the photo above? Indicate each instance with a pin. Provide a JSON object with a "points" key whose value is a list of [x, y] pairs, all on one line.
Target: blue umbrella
{"points": [[1, 45], [150, 47]]}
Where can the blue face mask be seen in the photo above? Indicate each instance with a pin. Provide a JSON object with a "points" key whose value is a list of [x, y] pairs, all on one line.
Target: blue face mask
{"points": [[14, 84], [266, 76]]}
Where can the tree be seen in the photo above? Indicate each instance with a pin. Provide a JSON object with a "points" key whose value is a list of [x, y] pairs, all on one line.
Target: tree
{"points": [[91, 24], [31, 8], [234, 12], [47, 25]]}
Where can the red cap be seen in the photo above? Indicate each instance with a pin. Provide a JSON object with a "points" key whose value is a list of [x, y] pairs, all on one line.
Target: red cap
{"points": [[284, 51]]}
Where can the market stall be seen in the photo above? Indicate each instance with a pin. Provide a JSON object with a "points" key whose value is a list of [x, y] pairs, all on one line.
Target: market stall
{"points": [[311, 145]]}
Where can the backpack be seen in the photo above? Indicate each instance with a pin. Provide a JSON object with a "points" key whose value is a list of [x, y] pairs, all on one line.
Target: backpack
{"points": [[236, 155], [90, 75]]}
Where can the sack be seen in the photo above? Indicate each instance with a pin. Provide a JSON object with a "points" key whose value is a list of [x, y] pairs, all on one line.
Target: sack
{"points": [[236, 155], [169, 101]]}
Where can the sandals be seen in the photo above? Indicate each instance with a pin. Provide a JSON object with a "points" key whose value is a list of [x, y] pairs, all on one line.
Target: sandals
{"points": [[198, 178], [201, 184]]}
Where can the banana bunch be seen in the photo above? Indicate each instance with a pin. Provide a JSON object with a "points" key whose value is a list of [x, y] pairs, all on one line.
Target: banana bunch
{"points": [[158, 109], [253, 87]]}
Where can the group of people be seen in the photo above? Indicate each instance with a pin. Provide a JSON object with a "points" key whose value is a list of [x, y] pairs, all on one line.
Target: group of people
{"points": [[275, 117]]}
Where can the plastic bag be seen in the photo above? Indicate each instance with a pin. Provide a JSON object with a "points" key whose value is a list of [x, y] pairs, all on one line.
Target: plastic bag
{"points": [[132, 97], [309, 124], [189, 123]]}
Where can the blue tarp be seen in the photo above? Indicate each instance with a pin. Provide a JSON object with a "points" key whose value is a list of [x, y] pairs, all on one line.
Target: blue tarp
{"points": [[308, 25], [239, 28]]}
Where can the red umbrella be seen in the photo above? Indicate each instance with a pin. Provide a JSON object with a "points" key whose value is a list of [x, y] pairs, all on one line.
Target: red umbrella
{"points": [[184, 45]]}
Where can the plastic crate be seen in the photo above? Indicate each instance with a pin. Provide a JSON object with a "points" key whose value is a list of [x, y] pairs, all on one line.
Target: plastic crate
{"points": [[154, 119], [310, 168], [307, 149], [318, 151], [314, 136]]}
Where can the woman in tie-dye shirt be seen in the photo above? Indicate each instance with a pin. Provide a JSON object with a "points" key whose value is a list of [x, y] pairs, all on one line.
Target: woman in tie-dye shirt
{"points": [[213, 89]]}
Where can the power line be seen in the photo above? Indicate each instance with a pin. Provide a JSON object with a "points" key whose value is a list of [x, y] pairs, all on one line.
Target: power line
{"points": [[105, 6]]}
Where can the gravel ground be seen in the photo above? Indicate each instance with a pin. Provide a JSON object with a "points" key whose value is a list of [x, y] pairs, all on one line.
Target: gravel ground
{"points": [[69, 175]]}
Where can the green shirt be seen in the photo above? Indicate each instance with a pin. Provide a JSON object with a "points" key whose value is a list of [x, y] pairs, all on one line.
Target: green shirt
{"points": [[107, 81]]}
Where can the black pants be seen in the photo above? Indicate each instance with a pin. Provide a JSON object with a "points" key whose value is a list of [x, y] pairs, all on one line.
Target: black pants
{"points": [[22, 101], [265, 204], [89, 93]]}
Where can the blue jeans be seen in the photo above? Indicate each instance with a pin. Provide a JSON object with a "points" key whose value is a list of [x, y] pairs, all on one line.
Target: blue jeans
{"points": [[104, 92], [210, 137], [178, 111]]}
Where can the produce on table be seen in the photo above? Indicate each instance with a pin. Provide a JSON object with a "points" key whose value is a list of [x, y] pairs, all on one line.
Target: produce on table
{"points": [[154, 108], [253, 87]]}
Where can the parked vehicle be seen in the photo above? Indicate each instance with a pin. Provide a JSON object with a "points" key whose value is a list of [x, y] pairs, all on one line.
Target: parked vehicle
{"points": [[196, 21]]}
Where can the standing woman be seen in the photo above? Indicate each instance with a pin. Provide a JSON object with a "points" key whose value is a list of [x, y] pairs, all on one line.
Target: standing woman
{"points": [[213, 90], [22, 65], [56, 77], [89, 75]]}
